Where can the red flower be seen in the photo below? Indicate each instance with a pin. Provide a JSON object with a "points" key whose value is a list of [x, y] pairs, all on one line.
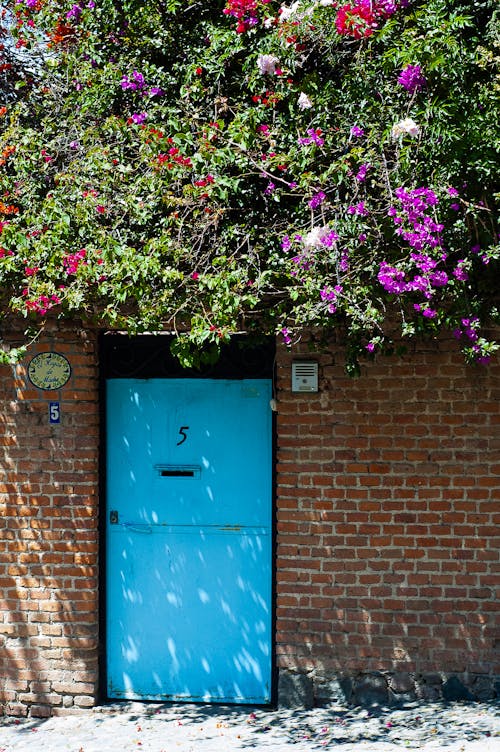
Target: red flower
{"points": [[356, 20]]}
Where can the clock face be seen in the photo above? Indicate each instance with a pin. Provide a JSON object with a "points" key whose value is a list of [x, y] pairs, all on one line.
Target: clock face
{"points": [[49, 370]]}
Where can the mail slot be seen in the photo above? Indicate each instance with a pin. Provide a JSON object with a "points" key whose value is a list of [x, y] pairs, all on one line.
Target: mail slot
{"points": [[178, 471]]}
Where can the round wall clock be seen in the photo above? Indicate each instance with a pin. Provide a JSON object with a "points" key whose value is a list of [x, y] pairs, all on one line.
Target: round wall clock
{"points": [[49, 370]]}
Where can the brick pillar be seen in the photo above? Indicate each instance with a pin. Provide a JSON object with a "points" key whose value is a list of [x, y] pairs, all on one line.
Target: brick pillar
{"points": [[48, 533]]}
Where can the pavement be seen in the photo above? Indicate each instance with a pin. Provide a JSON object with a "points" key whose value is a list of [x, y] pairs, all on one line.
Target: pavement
{"points": [[137, 727]]}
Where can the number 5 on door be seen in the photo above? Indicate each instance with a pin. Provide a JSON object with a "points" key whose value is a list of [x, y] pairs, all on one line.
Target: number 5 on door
{"points": [[182, 432]]}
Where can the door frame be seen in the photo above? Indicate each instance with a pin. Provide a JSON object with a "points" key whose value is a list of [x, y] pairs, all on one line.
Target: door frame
{"points": [[148, 356]]}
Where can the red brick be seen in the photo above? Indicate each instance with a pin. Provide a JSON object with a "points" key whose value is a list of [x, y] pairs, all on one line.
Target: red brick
{"points": [[415, 503]]}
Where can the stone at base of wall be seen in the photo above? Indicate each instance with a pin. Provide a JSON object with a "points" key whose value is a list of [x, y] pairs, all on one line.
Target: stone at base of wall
{"points": [[305, 690]]}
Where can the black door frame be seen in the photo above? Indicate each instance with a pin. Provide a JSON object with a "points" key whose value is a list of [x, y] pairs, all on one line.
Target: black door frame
{"points": [[147, 356]]}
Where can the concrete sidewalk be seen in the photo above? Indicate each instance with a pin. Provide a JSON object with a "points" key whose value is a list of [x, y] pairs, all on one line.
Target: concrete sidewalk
{"points": [[128, 727]]}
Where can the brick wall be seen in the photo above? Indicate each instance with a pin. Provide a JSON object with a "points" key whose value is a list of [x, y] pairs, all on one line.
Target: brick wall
{"points": [[387, 521], [388, 555], [48, 535]]}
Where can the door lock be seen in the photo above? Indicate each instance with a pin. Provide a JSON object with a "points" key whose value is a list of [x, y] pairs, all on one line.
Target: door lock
{"points": [[113, 517]]}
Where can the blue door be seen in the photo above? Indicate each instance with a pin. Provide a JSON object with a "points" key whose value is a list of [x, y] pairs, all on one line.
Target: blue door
{"points": [[189, 544]]}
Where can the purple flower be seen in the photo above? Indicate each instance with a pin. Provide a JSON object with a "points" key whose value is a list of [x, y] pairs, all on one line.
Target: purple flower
{"points": [[389, 7], [139, 79], [460, 273], [313, 137], [370, 346], [316, 200], [357, 209], [429, 313], [126, 84], [269, 188], [139, 117], [414, 206], [361, 176], [136, 81], [392, 279], [419, 284], [74, 12], [327, 294], [438, 279], [329, 239], [357, 132], [286, 335], [412, 79], [425, 263], [330, 297]]}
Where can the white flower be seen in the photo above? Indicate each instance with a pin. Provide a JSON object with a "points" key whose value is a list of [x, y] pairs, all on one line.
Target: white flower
{"points": [[268, 22], [407, 126], [267, 64], [304, 102], [288, 12], [314, 236]]}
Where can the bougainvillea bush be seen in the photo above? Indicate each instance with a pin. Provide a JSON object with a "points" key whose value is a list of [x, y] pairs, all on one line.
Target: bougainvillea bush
{"points": [[248, 166]]}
